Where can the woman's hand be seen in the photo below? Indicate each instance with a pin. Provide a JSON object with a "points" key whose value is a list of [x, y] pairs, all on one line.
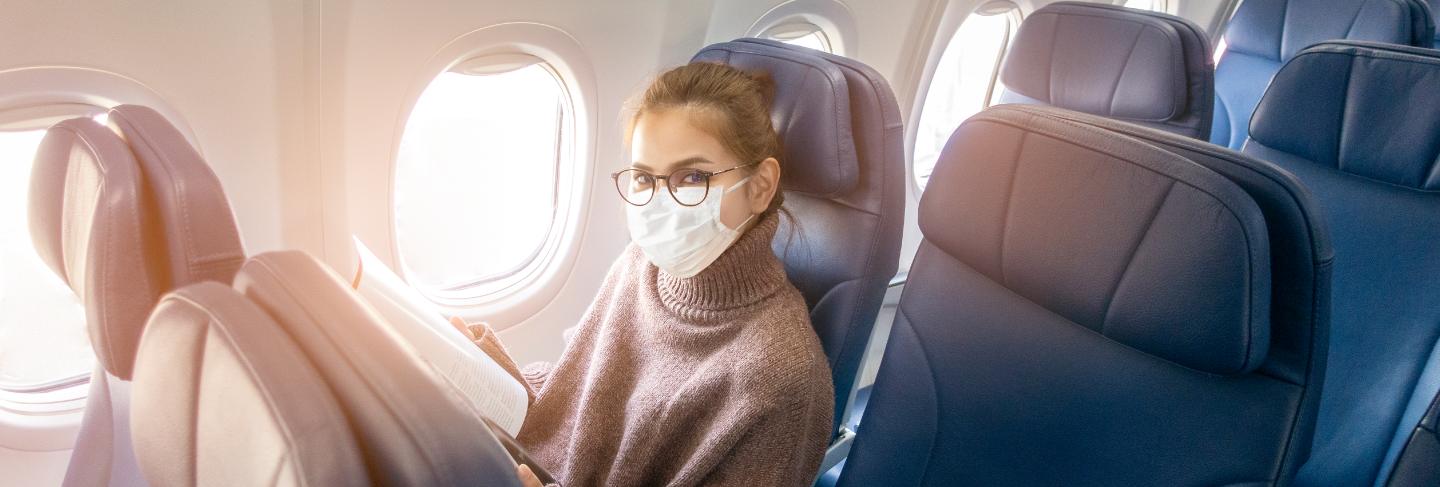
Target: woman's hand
{"points": [[527, 478]]}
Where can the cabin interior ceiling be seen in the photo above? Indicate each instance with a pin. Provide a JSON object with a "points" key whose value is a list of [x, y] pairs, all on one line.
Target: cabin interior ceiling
{"points": [[297, 105]]}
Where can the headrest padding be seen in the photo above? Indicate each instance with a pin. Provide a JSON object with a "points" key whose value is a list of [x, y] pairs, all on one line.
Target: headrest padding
{"points": [[1278, 29], [811, 113], [1131, 241], [1367, 109], [87, 220], [1106, 60], [223, 396], [202, 239]]}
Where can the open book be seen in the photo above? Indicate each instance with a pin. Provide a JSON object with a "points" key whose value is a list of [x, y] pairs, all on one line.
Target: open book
{"points": [[492, 391]]}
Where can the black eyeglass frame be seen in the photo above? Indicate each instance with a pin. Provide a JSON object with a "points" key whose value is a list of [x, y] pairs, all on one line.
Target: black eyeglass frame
{"points": [[670, 187]]}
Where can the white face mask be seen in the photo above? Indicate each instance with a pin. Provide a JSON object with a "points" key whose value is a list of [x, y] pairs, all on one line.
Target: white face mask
{"points": [[683, 240]]}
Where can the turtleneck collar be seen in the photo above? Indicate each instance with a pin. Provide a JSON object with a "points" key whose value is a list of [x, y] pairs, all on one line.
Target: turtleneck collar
{"points": [[746, 273]]}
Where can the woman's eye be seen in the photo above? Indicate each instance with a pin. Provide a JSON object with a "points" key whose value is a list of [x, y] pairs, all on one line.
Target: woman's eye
{"points": [[644, 179], [692, 178]]}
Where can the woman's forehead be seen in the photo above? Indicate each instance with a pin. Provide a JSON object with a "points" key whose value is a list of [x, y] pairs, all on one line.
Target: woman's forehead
{"points": [[667, 139]]}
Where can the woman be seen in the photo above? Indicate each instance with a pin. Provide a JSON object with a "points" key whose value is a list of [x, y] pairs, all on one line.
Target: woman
{"points": [[696, 363]]}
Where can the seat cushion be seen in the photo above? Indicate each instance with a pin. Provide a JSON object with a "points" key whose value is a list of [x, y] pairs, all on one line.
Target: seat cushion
{"points": [[1067, 54], [1264, 34]]}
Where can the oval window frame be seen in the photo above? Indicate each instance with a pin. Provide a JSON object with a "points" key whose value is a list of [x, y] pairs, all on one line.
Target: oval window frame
{"points": [[562, 55], [950, 21], [834, 20]]}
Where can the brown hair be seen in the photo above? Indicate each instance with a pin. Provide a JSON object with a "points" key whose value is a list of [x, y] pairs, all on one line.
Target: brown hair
{"points": [[729, 104]]}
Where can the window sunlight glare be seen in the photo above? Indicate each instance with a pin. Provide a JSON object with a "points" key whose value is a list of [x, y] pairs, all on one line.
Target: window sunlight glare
{"points": [[963, 78], [476, 179], [43, 337]]}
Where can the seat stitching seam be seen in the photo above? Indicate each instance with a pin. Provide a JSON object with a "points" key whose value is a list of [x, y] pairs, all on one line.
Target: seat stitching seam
{"points": [[1009, 201], [1134, 249], [934, 385], [1340, 130], [1129, 56]]}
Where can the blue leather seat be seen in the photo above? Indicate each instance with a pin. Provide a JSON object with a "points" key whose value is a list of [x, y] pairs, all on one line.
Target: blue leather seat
{"points": [[1067, 55], [1089, 308], [843, 174], [1264, 34], [1359, 124]]}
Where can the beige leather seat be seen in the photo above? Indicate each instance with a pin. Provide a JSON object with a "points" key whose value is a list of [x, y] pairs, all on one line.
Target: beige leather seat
{"points": [[123, 219], [411, 426]]}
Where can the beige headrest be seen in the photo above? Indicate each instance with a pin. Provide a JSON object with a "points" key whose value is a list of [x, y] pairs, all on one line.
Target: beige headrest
{"points": [[125, 218], [196, 223], [223, 396], [87, 221]]}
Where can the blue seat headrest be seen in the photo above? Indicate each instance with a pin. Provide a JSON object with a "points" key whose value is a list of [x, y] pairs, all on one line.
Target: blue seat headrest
{"points": [[810, 111], [1367, 109], [1115, 62], [1278, 29], [1133, 242]]}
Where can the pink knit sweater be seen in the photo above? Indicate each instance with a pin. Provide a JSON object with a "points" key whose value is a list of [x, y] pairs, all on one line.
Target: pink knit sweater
{"points": [[713, 380]]}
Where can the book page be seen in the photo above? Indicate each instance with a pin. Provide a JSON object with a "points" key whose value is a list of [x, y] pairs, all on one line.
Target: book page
{"points": [[482, 381]]}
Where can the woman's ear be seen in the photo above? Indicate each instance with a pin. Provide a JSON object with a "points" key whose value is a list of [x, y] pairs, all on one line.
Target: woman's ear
{"points": [[764, 183]]}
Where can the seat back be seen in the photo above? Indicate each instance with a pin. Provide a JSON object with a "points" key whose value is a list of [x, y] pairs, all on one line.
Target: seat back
{"points": [[1088, 308], [121, 239], [1358, 123], [223, 396], [842, 170], [1264, 34], [1065, 55], [413, 427]]}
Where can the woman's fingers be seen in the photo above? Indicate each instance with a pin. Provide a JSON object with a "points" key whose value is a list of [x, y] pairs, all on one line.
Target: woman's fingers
{"points": [[527, 478]]}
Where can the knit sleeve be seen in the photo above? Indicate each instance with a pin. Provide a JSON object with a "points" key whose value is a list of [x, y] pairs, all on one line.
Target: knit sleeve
{"points": [[783, 449], [490, 344], [536, 374]]}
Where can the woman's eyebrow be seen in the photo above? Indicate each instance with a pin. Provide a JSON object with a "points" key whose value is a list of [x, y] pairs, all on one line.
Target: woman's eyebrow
{"points": [[689, 161]]}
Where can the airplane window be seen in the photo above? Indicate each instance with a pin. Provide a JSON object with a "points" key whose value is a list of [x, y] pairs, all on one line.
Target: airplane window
{"points": [[477, 173], [43, 338], [803, 34], [1152, 5], [964, 81]]}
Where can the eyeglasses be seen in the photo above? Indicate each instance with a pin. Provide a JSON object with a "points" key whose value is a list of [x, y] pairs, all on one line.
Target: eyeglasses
{"points": [[689, 187]]}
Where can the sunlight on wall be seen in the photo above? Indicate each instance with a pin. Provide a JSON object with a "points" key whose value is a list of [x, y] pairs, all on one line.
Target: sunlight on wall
{"points": [[42, 325]]}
